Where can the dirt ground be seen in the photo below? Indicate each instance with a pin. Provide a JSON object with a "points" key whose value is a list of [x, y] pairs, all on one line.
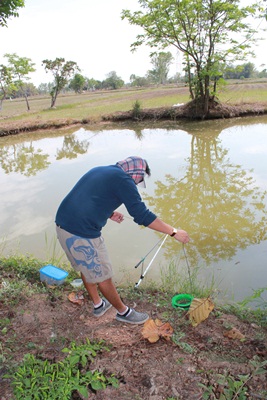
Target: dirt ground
{"points": [[45, 323]]}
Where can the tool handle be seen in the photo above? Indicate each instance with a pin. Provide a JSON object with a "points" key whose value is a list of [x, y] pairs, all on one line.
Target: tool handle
{"points": [[140, 262]]}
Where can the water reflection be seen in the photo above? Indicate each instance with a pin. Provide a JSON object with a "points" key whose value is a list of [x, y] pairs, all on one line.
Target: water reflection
{"points": [[72, 147], [27, 159], [23, 158], [207, 177], [215, 200]]}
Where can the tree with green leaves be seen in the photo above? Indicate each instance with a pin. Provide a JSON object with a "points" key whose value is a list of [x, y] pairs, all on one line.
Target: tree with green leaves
{"points": [[45, 88], [77, 83], [265, 10], [161, 62], [113, 81], [241, 71], [93, 84], [6, 84], [205, 31], [62, 71], [29, 89], [8, 9], [20, 67], [138, 81]]}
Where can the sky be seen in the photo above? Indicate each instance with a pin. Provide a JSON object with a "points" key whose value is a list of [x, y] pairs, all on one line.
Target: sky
{"points": [[91, 33]]}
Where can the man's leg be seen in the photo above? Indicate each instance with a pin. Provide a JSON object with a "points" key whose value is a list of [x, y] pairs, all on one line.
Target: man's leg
{"points": [[92, 290], [107, 287], [109, 291]]}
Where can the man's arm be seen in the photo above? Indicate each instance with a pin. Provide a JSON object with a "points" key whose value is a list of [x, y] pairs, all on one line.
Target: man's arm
{"points": [[161, 226]]}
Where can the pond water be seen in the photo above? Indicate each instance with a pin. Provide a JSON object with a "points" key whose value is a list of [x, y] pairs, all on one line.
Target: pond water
{"points": [[209, 178]]}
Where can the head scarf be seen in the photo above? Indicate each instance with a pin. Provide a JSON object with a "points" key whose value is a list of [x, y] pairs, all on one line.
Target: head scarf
{"points": [[135, 167]]}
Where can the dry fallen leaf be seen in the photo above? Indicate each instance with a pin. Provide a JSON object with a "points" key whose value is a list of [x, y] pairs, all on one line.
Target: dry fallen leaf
{"points": [[76, 298], [234, 334], [199, 310], [154, 329]]}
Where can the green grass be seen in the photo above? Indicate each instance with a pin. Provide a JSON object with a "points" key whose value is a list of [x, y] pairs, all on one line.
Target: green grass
{"points": [[20, 278], [239, 95], [93, 105]]}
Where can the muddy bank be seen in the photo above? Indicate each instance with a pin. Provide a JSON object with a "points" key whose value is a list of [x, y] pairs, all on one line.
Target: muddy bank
{"points": [[185, 112], [18, 127]]}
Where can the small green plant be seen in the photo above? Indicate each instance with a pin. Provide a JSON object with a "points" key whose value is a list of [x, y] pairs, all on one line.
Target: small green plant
{"points": [[256, 298], [186, 347], [21, 267], [3, 357], [244, 312], [40, 379], [233, 388], [137, 109], [230, 388], [4, 322]]}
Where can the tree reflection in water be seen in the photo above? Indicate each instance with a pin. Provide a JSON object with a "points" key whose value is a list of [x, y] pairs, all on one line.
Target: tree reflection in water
{"points": [[216, 201]]}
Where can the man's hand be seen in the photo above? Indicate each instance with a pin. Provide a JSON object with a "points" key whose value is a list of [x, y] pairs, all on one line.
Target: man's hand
{"points": [[182, 236], [117, 217]]}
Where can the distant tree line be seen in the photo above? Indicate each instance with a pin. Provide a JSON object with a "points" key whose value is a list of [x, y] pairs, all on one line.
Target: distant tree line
{"points": [[243, 71], [14, 79]]}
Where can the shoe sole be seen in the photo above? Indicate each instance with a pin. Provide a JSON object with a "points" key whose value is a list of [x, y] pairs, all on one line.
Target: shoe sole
{"points": [[103, 312], [131, 322]]}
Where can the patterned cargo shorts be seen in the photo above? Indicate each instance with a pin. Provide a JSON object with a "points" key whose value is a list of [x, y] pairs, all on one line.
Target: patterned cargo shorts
{"points": [[88, 256]]}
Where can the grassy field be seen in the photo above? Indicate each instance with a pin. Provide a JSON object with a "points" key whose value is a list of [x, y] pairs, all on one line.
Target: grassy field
{"points": [[93, 105]]}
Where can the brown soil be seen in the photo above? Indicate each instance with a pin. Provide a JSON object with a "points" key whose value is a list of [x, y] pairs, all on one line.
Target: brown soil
{"points": [[45, 323]]}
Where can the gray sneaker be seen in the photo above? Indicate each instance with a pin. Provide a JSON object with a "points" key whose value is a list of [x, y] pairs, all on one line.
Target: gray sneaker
{"points": [[101, 310], [133, 317]]}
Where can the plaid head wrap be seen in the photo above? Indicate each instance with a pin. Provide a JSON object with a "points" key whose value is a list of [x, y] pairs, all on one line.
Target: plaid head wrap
{"points": [[135, 167]]}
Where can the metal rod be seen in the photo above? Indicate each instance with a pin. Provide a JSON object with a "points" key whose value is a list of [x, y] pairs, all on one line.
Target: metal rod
{"points": [[147, 268], [143, 259]]}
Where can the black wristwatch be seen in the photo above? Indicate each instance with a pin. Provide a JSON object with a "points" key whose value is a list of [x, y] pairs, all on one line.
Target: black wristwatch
{"points": [[174, 232]]}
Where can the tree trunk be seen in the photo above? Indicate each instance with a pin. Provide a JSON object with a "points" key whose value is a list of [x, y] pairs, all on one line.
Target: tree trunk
{"points": [[206, 97], [191, 91], [54, 98], [2, 101], [27, 102]]}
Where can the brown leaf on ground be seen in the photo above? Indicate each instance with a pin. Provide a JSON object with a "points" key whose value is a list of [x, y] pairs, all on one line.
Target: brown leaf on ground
{"points": [[154, 329], [199, 310], [234, 334], [76, 298]]}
